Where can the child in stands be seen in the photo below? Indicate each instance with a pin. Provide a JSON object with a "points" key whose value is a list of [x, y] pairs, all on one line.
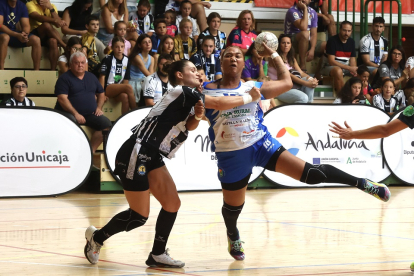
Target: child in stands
{"points": [[160, 30], [142, 19], [185, 11], [88, 43], [120, 30], [170, 17], [185, 45]]}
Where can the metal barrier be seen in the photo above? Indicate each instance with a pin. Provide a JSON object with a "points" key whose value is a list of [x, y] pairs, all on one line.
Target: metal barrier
{"points": [[364, 16]]}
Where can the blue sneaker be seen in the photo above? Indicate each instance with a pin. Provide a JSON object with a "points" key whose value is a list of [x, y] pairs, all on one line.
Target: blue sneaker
{"points": [[236, 249], [377, 190]]}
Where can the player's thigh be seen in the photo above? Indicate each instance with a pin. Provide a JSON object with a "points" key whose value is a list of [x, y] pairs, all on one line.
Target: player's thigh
{"points": [[290, 165], [163, 188], [139, 201]]}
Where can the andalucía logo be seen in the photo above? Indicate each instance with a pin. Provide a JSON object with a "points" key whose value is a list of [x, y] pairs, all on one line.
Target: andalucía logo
{"points": [[293, 133], [33, 157]]}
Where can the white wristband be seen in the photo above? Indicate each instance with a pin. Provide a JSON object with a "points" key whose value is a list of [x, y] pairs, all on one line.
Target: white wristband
{"points": [[247, 99], [197, 118], [274, 55]]}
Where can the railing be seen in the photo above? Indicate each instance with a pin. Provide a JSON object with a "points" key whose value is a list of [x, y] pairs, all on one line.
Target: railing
{"points": [[364, 16]]}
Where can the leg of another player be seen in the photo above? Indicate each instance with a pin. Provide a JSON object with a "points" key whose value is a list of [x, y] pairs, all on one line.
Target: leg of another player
{"points": [[298, 169], [163, 188]]}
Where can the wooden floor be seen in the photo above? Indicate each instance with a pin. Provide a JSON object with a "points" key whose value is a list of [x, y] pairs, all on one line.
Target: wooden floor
{"points": [[336, 231]]}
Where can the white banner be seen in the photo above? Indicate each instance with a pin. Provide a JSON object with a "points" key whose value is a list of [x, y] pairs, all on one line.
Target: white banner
{"points": [[304, 131], [194, 166], [399, 153], [41, 153]]}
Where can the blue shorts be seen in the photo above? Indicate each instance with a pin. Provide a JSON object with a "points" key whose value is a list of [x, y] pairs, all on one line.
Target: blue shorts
{"points": [[236, 165], [14, 42]]}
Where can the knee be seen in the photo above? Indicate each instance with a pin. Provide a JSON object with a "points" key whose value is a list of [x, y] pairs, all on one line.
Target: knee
{"points": [[313, 174], [134, 220], [336, 72], [4, 39], [303, 98], [52, 43], [47, 26], [173, 205], [35, 40], [303, 36]]}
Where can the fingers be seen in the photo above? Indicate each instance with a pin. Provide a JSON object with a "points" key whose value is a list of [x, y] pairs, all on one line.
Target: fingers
{"points": [[346, 124]]}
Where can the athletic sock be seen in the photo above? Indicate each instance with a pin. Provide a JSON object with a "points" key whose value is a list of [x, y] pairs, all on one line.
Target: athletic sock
{"points": [[123, 221], [163, 227], [230, 215]]}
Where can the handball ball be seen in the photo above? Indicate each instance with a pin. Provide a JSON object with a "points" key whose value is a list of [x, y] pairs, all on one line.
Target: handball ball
{"points": [[269, 39], [412, 267]]}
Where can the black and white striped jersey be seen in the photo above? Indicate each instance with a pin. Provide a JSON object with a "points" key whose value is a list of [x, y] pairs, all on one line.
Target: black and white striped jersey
{"points": [[164, 127], [375, 49], [13, 102]]}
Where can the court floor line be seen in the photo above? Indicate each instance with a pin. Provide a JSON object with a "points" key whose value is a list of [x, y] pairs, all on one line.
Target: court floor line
{"points": [[100, 260], [327, 228]]}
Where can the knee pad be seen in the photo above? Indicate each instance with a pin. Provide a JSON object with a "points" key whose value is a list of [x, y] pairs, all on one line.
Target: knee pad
{"points": [[313, 174], [130, 220], [231, 212]]}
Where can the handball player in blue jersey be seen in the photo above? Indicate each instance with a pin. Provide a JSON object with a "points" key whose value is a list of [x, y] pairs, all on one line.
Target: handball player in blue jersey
{"points": [[241, 142], [140, 166]]}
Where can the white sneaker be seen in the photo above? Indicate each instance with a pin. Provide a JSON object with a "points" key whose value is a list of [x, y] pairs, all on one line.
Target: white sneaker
{"points": [[92, 248], [163, 260]]}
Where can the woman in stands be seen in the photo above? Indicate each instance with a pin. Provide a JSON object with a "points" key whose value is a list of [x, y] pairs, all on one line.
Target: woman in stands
{"points": [[140, 166], [241, 141], [254, 67], [74, 45], [75, 17], [142, 64], [166, 47], [351, 93], [113, 11], [303, 84], [115, 74], [243, 34], [393, 68]]}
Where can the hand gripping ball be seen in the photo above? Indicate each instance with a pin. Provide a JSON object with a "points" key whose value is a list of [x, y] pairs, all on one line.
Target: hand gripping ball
{"points": [[269, 39]]}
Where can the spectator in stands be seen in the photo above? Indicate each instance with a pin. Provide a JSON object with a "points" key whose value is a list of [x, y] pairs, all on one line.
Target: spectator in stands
{"points": [[89, 41], [170, 17], [13, 12], [157, 84], [185, 11], [393, 68], [373, 48], [301, 22], [113, 11], [184, 45], [197, 10], [351, 93], [42, 15], [389, 100], [76, 91], [76, 17], [409, 91], [160, 28], [243, 34], [142, 19], [303, 84], [120, 30], [363, 74], [253, 65], [207, 60], [18, 97], [142, 64], [115, 75], [166, 47], [74, 45], [214, 23], [326, 22], [340, 52]]}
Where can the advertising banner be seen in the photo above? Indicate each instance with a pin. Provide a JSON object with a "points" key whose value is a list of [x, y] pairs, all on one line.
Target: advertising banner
{"points": [[399, 153], [304, 131], [42, 153], [194, 166]]}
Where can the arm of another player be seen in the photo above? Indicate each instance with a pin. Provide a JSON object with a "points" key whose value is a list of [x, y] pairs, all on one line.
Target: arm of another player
{"points": [[228, 102], [193, 121], [379, 131]]}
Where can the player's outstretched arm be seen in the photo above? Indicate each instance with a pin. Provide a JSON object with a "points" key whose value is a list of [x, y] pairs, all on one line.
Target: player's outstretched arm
{"points": [[228, 102], [379, 131]]}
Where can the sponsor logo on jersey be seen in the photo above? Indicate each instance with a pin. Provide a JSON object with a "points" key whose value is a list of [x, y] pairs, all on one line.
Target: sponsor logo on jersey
{"points": [[142, 170]]}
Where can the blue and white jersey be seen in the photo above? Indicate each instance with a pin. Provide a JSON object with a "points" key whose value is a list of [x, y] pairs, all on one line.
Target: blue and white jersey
{"points": [[236, 128]]}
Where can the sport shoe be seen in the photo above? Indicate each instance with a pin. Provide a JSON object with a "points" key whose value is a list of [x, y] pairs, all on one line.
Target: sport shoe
{"points": [[377, 190], [92, 248], [163, 260], [236, 249]]}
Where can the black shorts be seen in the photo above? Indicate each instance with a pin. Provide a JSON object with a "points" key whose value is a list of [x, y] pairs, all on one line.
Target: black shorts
{"points": [[136, 177], [91, 120]]}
